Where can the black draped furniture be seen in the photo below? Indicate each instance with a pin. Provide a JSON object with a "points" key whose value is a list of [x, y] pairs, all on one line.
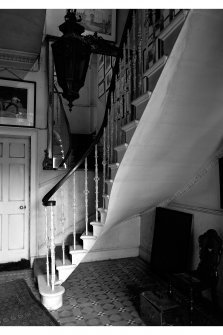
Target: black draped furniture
{"points": [[171, 257], [205, 277]]}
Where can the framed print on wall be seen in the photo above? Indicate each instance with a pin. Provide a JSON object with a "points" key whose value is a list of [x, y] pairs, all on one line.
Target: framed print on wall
{"points": [[101, 89], [101, 74], [100, 61], [102, 21], [108, 79], [17, 103], [107, 63]]}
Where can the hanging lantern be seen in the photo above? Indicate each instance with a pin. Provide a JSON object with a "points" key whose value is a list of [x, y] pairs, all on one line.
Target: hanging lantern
{"points": [[71, 57]]}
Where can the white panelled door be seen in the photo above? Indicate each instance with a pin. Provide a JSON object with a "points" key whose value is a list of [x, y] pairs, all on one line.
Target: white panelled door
{"points": [[14, 199]]}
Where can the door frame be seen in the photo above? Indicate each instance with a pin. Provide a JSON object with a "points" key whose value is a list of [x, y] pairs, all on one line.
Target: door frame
{"points": [[33, 168]]}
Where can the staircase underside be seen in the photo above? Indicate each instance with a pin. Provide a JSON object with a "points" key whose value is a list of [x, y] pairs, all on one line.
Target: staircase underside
{"points": [[181, 128]]}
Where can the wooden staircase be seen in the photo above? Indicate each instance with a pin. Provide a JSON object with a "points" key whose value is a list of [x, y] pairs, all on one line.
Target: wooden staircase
{"points": [[82, 251]]}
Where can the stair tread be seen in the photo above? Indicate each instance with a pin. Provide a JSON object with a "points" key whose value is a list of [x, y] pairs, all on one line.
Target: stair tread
{"points": [[105, 195], [130, 125], [114, 165], [95, 223], [89, 235], [121, 146], [142, 98], [77, 248], [102, 209], [109, 180], [160, 63], [59, 262]]}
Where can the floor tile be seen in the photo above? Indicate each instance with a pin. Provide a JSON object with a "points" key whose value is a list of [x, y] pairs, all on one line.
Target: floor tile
{"points": [[104, 293]]}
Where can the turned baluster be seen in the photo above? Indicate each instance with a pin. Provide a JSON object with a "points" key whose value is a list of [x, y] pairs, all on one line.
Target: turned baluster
{"points": [[74, 211], [86, 192], [47, 248], [62, 222], [104, 165], [96, 179]]}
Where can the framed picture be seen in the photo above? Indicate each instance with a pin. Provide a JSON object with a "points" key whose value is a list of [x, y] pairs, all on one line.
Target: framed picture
{"points": [[102, 21], [113, 61], [17, 103], [107, 63], [101, 74], [100, 61], [108, 78], [101, 89]]}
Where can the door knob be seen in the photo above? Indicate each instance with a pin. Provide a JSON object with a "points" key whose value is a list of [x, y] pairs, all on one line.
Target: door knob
{"points": [[22, 207]]}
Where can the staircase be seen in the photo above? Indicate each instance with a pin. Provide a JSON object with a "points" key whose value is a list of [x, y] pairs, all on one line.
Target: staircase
{"points": [[136, 80]]}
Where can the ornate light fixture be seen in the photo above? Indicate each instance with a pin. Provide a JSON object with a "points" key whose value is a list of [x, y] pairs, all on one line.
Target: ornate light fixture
{"points": [[71, 54]]}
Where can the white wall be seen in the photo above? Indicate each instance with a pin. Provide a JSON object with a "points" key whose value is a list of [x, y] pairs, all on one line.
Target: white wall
{"points": [[82, 120]]}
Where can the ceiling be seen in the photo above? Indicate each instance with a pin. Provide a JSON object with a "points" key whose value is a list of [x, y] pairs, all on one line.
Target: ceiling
{"points": [[21, 37]]}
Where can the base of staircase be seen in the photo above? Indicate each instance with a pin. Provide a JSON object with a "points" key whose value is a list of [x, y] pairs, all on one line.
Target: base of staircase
{"points": [[64, 270], [52, 300], [105, 254]]}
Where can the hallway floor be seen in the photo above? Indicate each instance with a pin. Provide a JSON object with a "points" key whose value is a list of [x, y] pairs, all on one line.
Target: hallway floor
{"points": [[106, 293]]}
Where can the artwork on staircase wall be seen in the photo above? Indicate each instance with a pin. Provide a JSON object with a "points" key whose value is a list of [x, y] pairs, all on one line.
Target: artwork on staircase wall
{"points": [[102, 21], [101, 89], [108, 79], [107, 63], [17, 103]]}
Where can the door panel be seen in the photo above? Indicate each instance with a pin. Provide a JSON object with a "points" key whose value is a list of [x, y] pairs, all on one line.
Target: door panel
{"points": [[14, 199], [16, 150], [16, 182], [16, 232]]}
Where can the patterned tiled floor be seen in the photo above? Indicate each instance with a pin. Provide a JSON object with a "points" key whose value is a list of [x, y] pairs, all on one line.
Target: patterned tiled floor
{"points": [[99, 294], [104, 293]]}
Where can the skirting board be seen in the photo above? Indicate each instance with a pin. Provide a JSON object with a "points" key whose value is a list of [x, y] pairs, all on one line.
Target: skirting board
{"points": [[103, 254], [145, 254]]}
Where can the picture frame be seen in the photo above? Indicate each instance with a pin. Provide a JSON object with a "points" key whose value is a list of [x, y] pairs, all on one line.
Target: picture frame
{"points": [[108, 78], [107, 63], [100, 61], [113, 60], [17, 103], [101, 74], [102, 21], [101, 89]]}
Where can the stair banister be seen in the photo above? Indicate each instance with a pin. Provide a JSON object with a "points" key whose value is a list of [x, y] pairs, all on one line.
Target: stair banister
{"points": [[64, 159], [47, 197], [124, 87]]}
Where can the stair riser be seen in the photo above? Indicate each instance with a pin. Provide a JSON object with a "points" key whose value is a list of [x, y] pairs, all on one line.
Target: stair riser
{"points": [[88, 243], [103, 217], [113, 173], [139, 110], [152, 81], [106, 201], [77, 258], [108, 187], [97, 230], [64, 273], [120, 154], [129, 134]]}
